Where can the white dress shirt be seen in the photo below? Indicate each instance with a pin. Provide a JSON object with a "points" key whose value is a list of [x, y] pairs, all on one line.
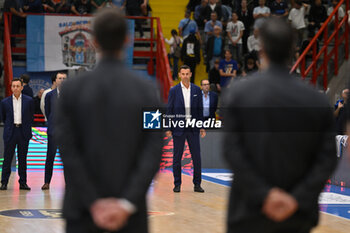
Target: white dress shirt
{"points": [[17, 109], [186, 92], [42, 101]]}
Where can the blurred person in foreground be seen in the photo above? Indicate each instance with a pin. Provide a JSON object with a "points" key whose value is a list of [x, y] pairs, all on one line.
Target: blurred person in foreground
{"points": [[107, 176], [280, 143]]}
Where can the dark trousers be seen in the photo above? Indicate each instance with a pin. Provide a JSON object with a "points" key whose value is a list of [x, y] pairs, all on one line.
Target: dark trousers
{"points": [[50, 158], [138, 22], [18, 140], [192, 64], [193, 143]]}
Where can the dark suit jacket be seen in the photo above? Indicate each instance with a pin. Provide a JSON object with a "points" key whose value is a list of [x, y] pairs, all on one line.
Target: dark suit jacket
{"points": [[213, 103], [281, 135], [8, 118], [27, 90], [210, 48], [104, 150], [50, 103], [176, 105]]}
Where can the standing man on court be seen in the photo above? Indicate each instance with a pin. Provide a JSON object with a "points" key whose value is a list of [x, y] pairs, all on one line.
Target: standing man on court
{"points": [[17, 113], [280, 143], [186, 99], [50, 106], [109, 161]]}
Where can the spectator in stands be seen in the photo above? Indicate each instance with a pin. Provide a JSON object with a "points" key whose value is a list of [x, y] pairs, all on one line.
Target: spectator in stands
{"points": [[246, 16], [63, 6], [317, 15], [33, 6], [18, 16], [296, 17], [190, 53], [304, 45], [250, 65], [135, 8], [279, 8], [37, 100], [341, 12], [226, 15], [187, 25], [27, 90], [210, 100], [213, 6], [42, 101], [235, 30], [192, 4], [260, 13], [214, 47], [214, 77], [209, 26], [228, 69], [98, 4], [81, 7], [228, 3], [200, 14], [48, 6], [120, 4], [175, 51], [254, 42], [340, 112]]}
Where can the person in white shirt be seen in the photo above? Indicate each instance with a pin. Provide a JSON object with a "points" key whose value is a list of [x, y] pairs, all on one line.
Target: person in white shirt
{"points": [[260, 13], [175, 50], [341, 12], [42, 101], [235, 30], [296, 17], [254, 41]]}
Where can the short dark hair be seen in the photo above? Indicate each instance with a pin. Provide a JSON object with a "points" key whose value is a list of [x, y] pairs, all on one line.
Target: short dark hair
{"points": [[277, 39], [17, 80], [25, 78], [299, 2], [59, 72], [184, 67], [203, 80], [110, 30], [173, 32]]}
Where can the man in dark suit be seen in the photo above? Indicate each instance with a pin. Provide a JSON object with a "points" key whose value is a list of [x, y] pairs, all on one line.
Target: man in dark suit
{"points": [[27, 90], [109, 161], [185, 99], [210, 100], [17, 112], [50, 105], [280, 143]]}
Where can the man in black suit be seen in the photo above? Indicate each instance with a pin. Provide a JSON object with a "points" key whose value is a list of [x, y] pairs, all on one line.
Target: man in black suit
{"points": [[210, 100], [185, 102], [17, 113], [280, 143], [27, 90], [109, 161], [50, 106]]}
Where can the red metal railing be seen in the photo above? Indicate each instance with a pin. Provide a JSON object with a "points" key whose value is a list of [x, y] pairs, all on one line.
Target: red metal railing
{"points": [[163, 72], [327, 55], [8, 72]]}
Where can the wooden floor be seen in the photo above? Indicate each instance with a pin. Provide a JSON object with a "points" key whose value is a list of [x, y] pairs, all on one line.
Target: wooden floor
{"points": [[169, 212]]}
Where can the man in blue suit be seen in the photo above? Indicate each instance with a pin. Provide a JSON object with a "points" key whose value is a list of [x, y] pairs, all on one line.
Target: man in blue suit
{"points": [[186, 99], [50, 101], [17, 112], [210, 100]]}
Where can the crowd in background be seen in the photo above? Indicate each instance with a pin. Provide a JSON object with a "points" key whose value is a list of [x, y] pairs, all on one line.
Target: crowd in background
{"points": [[227, 33]]}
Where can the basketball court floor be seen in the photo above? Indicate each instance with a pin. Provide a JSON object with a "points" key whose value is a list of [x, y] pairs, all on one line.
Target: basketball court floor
{"points": [[38, 211]]}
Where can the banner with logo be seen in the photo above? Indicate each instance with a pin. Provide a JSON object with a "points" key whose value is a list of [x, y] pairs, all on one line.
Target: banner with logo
{"points": [[64, 42]]}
